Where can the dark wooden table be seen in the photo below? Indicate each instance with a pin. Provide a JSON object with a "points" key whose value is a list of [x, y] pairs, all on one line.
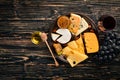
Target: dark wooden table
{"points": [[20, 59]]}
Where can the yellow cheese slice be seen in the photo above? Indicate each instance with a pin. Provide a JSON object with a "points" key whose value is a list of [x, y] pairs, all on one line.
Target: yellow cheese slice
{"points": [[80, 44], [72, 45], [66, 51], [75, 58], [91, 42]]}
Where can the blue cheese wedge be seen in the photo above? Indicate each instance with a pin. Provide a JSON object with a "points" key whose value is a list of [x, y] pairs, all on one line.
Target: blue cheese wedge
{"points": [[83, 26]]}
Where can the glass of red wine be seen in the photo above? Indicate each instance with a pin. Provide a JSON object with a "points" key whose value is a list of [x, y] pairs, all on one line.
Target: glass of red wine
{"points": [[107, 21]]}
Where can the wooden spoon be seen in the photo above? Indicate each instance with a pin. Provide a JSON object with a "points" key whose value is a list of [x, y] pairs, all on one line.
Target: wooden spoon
{"points": [[44, 38]]}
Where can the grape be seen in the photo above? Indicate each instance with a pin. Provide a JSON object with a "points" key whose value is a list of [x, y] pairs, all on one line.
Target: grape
{"points": [[117, 50], [101, 58], [105, 48], [110, 57], [102, 52], [118, 39], [110, 41], [109, 46], [113, 55], [118, 42], [108, 38], [105, 57], [112, 36], [109, 49], [114, 45], [106, 43], [114, 40]]}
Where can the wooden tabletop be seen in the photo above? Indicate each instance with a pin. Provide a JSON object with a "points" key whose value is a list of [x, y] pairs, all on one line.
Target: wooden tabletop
{"points": [[20, 59]]}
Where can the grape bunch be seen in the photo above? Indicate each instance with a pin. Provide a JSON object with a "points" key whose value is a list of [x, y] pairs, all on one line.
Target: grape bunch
{"points": [[109, 49]]}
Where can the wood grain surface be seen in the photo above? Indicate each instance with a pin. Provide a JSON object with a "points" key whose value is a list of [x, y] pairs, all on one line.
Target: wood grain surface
{"points": [[20, 59]]}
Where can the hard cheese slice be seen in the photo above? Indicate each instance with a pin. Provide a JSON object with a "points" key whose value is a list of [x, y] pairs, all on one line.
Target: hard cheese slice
{"points": [[80, 44], [75, 57], [91, 42], [72, 45]]}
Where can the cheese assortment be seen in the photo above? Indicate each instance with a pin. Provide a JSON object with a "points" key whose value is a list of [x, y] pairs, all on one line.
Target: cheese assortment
{"points": [[71, 40]]}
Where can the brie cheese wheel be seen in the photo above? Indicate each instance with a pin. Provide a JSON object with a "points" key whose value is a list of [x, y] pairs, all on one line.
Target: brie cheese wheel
{"points": [[54, 36], [83, 26], [65, 36]]}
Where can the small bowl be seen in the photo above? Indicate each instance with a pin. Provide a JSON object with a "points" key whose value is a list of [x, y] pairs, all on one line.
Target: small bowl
{"points": [[107, 21]]}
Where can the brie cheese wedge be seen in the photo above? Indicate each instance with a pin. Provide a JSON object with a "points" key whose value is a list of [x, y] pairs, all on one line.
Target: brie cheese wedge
{"points": [[54, 36], [65, 36]]}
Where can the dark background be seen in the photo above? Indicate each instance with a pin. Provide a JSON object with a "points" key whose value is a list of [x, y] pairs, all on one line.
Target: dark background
{"points": [[20, 59]]}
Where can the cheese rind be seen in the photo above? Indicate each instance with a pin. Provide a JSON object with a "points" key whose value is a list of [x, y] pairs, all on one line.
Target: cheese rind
{"points": [[54, 36]]}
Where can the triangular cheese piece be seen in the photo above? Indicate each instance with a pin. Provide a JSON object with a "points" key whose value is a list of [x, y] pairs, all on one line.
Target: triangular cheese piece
{"points": [[75, 57], [83, 26], [80, 44], [65, 36], [72, 45], [54, 36]]}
